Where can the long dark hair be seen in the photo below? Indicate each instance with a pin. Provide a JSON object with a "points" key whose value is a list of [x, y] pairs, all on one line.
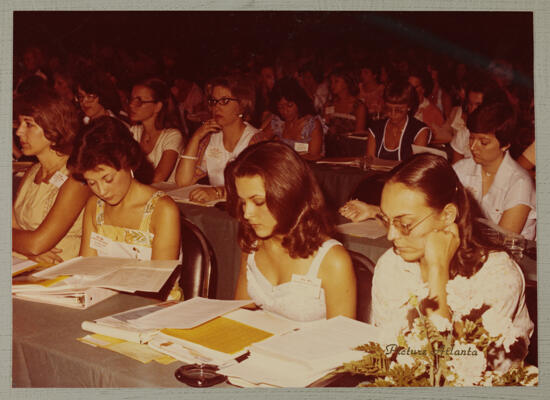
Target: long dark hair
{"points": [[108, 141], [436, 178], [292, 196]]}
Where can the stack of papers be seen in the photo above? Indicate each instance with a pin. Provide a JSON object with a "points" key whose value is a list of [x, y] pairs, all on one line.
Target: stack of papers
{"points": [[85, 281], [300, 357]]}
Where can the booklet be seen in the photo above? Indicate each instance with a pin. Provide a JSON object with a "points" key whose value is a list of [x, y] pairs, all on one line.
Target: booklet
{"points": [[123, 274], [81, 299]]}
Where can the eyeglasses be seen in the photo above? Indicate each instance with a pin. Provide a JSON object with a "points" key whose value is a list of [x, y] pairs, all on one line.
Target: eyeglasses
{"points": [[404, 229], [138, 102], [396, 109], [222, 102], [86, 97]]}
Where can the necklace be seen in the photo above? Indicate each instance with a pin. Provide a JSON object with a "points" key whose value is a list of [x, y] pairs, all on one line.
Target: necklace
{"points": [[486, 173]]}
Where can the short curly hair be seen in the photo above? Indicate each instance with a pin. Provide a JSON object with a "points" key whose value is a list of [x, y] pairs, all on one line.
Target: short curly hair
{"points": [[108, 141], [292, 196], [57, 117]]}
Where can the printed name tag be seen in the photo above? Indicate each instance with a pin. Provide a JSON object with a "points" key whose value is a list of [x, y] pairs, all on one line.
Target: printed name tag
{"points": [[58, 179], [301, 147], [329, 110], [309, 285], [98, 242]]}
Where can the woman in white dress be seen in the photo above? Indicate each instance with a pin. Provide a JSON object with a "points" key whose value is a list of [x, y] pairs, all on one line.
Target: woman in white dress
{"points": [[156, 127], [290, 264], [439, 256], [219, 139]]}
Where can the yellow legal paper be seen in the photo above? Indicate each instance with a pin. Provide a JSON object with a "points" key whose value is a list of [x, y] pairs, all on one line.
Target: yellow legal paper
{"points": [[221, 334]]}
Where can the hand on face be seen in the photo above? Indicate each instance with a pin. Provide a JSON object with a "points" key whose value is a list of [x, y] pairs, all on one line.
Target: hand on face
{"points": [[357, 211], [203, 195], [441, 246], [207, 128]]}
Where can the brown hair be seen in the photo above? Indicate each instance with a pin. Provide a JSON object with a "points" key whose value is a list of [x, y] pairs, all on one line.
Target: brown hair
{"points": [[292, 196], [494, 118], [241, 87], [400, 91], [57, 117], [167, 116], [108, 141], [436, 178]]}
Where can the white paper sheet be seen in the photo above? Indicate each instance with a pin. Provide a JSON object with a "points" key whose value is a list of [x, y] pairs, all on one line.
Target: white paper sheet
{"points": [[188, 314], [18, 264], [181, 195], [370, 228]]}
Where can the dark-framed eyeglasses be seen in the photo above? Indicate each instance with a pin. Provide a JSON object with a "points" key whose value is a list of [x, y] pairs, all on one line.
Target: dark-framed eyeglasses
{"points": [[222, 102], [85, 97], [138, 101], [404, 229]]}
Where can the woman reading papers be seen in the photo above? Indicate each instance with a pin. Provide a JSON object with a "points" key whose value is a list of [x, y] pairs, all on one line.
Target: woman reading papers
{"points": [[290, 265]]}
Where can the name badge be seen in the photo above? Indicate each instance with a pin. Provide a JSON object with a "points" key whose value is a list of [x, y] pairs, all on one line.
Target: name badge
{"points": [[301, 147], [58, 179], [308, 285], [98, 242], [329, 110]]}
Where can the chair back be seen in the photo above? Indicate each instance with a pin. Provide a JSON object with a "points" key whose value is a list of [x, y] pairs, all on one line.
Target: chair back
{"points": [[199, 272], [364, 271]]}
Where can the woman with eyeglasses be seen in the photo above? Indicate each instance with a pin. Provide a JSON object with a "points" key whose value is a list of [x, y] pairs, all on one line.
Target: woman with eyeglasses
{"points": [[441, 257], [294, 121], [97, 96], [503, 188], [290, 264], [392, 138], [156, 127], [47, 211], [219, 139]]}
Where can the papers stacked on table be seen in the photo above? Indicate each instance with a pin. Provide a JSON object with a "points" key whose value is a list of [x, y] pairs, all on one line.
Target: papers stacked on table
{"points": [[85, 281]]}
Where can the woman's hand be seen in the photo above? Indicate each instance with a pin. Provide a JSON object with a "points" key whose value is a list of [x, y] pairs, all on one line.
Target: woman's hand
{"points": [[358, 211], [203, 195], [49, 257], [441, 246], [208, 127]]}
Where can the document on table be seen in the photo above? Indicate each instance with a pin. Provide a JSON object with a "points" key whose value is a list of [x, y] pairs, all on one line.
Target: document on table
{"points": [[181, 195], [370, 228], [188, 314], [115, 273], [424, 149], [19, 265]]}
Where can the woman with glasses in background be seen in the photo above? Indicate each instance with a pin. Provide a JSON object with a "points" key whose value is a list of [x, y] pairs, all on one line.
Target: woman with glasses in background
{"points": [[156, 127], [441, 257], [219, 139], [97, 96], [392, 138]]}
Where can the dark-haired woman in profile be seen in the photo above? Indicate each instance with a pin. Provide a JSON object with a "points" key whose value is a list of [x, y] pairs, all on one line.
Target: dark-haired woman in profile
{"points": [[290, 265], [47, 211], [294, 121], [126, 218], [439, 254]]}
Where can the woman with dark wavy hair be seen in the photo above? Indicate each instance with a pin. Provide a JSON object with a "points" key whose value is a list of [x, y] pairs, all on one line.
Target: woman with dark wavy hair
{"points": [[439, 256], [126, 218], [290, 264], [47, 211]]}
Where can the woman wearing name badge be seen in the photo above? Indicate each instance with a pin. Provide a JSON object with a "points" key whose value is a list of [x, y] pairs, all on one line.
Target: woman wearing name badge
{"points": [[47, 212], [156, 128], [504, 189], [290, 264], [439, 256], [219, 139], [294, 121], [126, 218], [392, 138]]}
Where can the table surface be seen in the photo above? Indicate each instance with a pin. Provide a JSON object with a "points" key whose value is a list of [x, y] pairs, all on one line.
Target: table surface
{"points": [[47, 354]]}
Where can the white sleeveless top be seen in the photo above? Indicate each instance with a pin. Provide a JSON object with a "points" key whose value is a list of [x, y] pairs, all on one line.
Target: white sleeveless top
{"points": [[294, 300]]}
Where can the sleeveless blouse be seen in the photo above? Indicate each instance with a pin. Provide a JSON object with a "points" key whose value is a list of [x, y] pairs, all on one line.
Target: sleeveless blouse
{"points": [[290, 299], [341, 123], [118, 241], [34, 202], [404, 150]]}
